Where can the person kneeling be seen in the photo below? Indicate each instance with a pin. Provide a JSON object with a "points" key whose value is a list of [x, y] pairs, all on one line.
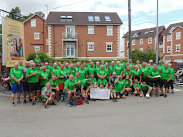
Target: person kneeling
{"points": [[145, 90], [48, 95]]}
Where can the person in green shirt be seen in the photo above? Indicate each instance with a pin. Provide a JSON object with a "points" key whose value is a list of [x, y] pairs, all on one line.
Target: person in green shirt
{"points": [[166, 76], [37, 59], [136, 73], [97, 69], [72, 70], [160, 66], [82, 72], [136, 87], [138, 64], [91, 69], [128, 83], [62, 77], [16, 81], [130, 63], [103, 81], [126, 72], [122, 64], [144, 73], [50, 67], [32, 75], [20, 66], [77, 81], [170, 83], [120, 87], [55, 69], [107, 71], [77, 68], [111, 69], [153, 73], [118, 69], [67, 69], [54, 85], [101, 73], [43, 76], [145, 90]]}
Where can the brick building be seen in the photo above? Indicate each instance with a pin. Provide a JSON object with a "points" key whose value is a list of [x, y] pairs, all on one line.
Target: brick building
{"points": [[173, 43], [144, 39], [83, 35], [35, 34]]}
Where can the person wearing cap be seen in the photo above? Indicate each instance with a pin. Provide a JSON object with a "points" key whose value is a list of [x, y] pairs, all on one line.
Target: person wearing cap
{"points": [[37, 60], [170, 83], [151, 64], [166, 75], [32, 75]]}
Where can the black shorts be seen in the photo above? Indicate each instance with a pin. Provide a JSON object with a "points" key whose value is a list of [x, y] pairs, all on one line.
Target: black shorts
{"points": [[145, 80], [25, 86], [144, 92], [170, 83], [163, 83], [41, 86], [155, 82], [34, 87]]}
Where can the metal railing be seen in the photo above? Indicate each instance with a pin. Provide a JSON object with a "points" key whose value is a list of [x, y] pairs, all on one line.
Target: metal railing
{"points": [[69, 35]]}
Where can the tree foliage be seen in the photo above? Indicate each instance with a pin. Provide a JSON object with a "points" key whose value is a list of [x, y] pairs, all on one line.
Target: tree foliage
{"points": [[143, 56], [19, 17]]}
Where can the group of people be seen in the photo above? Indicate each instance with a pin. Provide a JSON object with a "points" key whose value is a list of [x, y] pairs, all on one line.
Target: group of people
{"points": [[47, 81]]}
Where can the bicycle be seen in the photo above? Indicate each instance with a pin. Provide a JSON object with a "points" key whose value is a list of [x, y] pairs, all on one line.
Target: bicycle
{"points": [[5, 81]]}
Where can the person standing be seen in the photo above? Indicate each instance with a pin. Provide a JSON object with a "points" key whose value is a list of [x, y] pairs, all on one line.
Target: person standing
{"points": [[16, 80], [25, 81], [37, 59], [170, 83], [20, 66], [32, 75]]}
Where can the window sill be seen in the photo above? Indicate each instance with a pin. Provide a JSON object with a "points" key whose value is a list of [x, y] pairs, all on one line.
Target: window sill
{"points": [[109, 35], [177, 51], [109, 51], [90, 50], [91, 33]]}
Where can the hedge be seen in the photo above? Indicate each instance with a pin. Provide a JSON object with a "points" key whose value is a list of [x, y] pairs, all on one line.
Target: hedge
{"points": [[44, 57]]}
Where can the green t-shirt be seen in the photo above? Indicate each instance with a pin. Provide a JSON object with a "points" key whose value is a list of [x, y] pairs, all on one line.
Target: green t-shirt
{"points": [[43, 75], [72, 71], [43, 90], [173, 72], [62, 73], [75, 80], [53, 83], [82, 73], [32, 79], [160, 67], [17, 73], [144, 88], [94, 80], [153, 73], [67, 70], [97, 69], [37, 60], [145, 70], [130, 65], [83, 82], [127, 84], [119, 86], [55, 71], [49, 74], [102, 82], [132, 71], [118, 70], [69, 84], [111, 69], [50, 68], [91, 70], [107, 72], [77, 69], [126, 73], [136, 85], [136, 73], [101, 72], [165, 73], [122, 64], [21, 66]]}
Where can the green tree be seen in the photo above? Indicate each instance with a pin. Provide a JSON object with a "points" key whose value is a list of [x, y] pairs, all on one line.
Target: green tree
{"points": [[16, 11], [143, 56], [41, 13], [0, 28]]}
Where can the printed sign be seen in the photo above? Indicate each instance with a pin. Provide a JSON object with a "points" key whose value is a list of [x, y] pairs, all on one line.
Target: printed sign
{"points": [[97, 93]]}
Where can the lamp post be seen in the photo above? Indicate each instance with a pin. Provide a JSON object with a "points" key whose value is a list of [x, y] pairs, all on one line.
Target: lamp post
{"points": [[157, 38]]}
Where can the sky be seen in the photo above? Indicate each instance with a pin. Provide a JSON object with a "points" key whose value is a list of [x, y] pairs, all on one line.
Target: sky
{"points": [[143, 11]]}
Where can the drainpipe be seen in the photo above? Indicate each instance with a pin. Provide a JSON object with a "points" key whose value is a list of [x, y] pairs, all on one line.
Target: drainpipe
{"points": [[54, 40], [43, 35]]}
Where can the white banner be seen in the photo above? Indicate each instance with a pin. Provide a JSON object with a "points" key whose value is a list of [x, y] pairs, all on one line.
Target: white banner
{"points": [[96, 93]]}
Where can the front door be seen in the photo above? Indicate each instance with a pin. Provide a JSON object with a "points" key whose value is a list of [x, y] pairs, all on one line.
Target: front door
{"points": [[70, 50]]}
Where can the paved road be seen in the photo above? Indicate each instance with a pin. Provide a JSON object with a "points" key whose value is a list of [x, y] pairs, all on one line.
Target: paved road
{"points": [[132, 117]]}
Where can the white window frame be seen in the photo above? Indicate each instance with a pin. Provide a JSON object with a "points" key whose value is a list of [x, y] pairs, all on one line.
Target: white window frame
{"points": [[141, 49], [150, 41], [90, 43], [37, 47], [36, 33], [127, 43], [108, 43], [177, 38], [141, 41], [168, 37], [33, 25], [109, 31], [90, 29], [47, 42], [133, 42], [168, 48], [160, 45], [179, 48]]}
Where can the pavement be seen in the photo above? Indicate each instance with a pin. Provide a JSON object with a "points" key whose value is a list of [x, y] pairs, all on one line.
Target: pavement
{"points": [[130, 117]]}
